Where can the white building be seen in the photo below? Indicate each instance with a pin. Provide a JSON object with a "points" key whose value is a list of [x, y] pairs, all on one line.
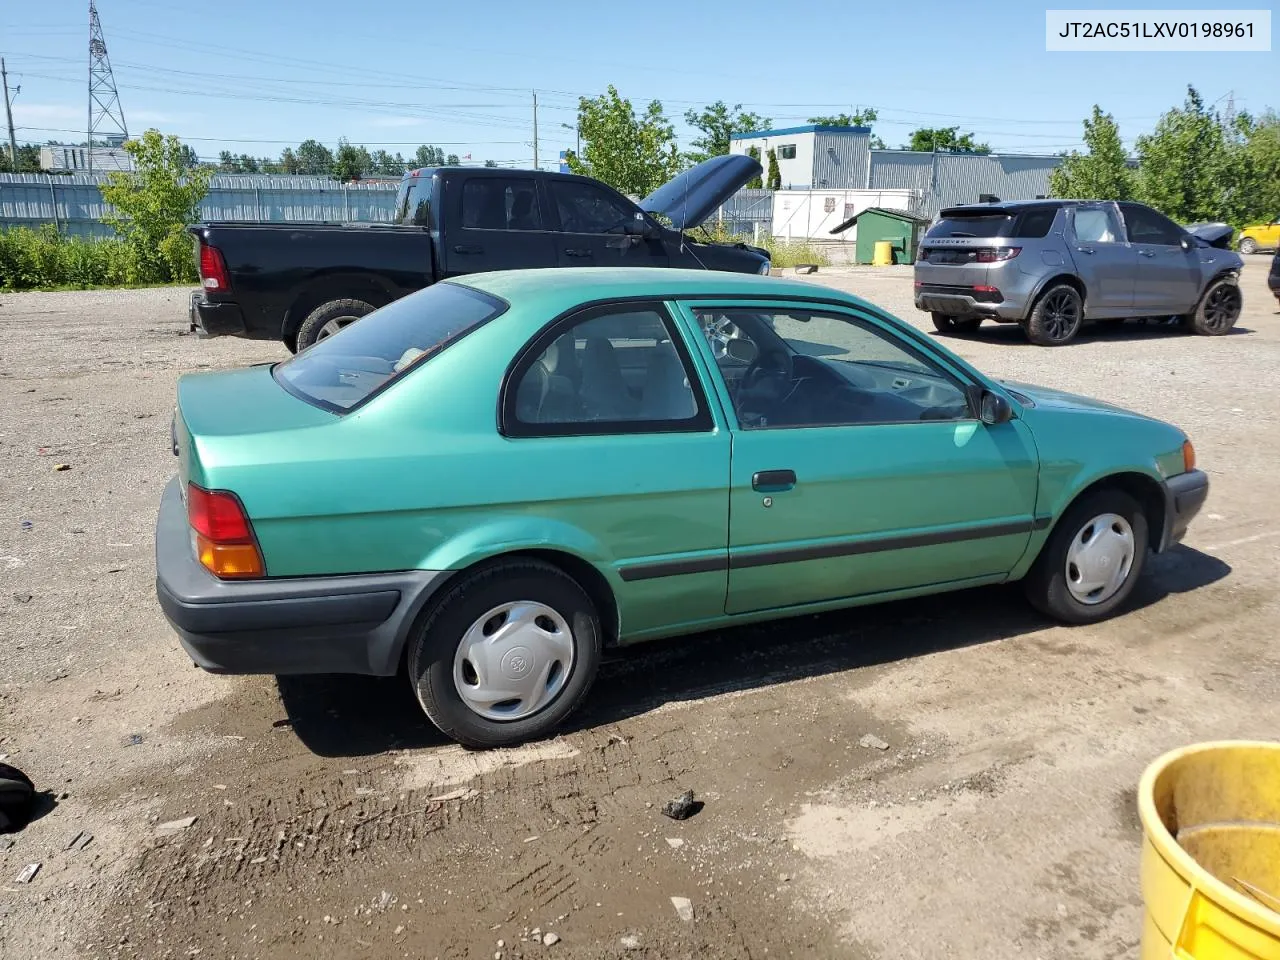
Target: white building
{"points": [[812, 156]]}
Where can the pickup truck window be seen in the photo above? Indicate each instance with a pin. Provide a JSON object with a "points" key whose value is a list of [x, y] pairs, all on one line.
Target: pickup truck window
{"points": [[493, 203], [342, 371], [413, 203], [588, 209]]}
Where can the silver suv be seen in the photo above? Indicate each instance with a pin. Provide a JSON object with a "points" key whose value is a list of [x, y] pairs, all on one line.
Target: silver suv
{"points": [[1053, 265]]}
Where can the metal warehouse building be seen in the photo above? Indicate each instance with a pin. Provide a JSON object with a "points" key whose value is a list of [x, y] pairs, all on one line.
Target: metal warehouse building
{"points": [[820, 157]]}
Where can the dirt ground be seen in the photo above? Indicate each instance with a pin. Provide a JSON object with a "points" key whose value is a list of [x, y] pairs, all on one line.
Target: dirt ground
{"points": [[333, 823]]}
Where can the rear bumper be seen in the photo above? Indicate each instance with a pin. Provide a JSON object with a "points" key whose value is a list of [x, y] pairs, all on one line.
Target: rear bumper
{"points": [[1184, 495], [960, 305], [298, 625], [215, 319]]}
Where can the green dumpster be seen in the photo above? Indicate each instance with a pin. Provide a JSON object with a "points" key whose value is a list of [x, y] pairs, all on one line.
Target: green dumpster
{"points": [[897, 227]]}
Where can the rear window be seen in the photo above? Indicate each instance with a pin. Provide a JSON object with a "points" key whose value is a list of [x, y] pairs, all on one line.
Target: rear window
{"points": [[345, 369], [413, 202], [1028, 224]]}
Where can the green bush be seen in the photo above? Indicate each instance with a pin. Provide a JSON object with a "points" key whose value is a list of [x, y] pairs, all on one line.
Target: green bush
{"points": [[44, 258], [783, 253]]}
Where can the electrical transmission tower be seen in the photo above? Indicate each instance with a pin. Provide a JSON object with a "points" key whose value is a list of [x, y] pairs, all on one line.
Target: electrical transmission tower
{"points": [[106, 115]]}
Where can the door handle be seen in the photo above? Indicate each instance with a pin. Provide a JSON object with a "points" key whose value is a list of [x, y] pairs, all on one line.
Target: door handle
{"points": [[1146, 253], [467, 248], [1085, 249], [773, 481], [577, 252]]}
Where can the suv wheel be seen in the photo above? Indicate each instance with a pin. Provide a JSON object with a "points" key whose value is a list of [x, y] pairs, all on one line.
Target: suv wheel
{"points": [[1218, 310], [1248, 245], [1056, 317], [945, 323]]}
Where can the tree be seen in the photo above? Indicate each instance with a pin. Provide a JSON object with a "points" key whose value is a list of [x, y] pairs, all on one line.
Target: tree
{"points": [[347, 163], [774, 177], [227, 163], [944, 140], [755, 183], [428, 156], [248, 164], [1185, 164], [491, 163], [862, 118], [189, 158], [718, 123], [1102, 173], [385, 164], [314, 158], [452, 160], [633, 154], [28, 159], [155, 201], [289, 161], [1259, 165]]}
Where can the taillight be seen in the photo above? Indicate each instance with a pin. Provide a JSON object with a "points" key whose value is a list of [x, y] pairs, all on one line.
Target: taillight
{"points": [[224, 537], [213, 269], [997, 254]]}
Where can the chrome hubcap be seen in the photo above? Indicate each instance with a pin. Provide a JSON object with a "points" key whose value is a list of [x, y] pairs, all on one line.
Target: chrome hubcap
{"points": [[514, 660], [333, 326], [1061, 315], [1100, 558]]}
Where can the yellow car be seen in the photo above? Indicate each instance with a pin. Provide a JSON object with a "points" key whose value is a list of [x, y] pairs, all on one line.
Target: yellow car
{"points": [[1260, 236]]}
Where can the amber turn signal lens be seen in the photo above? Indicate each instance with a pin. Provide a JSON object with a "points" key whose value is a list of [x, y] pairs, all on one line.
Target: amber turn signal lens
{"points": [[229, 561], [1188, 456]]}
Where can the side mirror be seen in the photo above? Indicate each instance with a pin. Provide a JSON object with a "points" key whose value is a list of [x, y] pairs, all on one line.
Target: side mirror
{"points": [[1185, 242], [741, 350], [994, 409], [642, 228]]}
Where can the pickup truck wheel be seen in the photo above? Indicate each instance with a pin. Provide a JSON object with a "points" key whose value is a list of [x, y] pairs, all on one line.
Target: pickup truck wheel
{"points": [[328, 318], [1218, 310], [506, 654], [945, 323], [1056, 317], [1092, 559]]}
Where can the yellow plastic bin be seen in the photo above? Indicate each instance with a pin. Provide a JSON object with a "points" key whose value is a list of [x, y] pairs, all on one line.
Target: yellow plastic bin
{"points": [[1211, 852], [883, 255]]}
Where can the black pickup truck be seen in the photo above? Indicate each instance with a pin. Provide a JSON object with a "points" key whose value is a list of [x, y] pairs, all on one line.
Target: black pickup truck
{"points": [[300, 282]]}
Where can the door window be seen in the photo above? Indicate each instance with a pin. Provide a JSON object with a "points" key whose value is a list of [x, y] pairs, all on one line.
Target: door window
{"points": [[1097, 225], [500, 203], [588, 209], [805, 368], [610, 370], [1147, 226]]}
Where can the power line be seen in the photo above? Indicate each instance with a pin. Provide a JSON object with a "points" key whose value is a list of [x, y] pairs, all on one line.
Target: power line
{"points": [[375, 143]]}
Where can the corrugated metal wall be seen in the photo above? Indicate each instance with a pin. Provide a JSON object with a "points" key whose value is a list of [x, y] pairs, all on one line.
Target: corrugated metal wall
{"points": [[946, 179], [75, 204], [840, 161]]}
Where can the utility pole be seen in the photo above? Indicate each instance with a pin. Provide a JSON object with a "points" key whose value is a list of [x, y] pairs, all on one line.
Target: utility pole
{"points": [[8, 112], [535, 129]]}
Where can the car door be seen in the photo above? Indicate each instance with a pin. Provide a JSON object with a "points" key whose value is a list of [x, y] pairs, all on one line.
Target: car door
{"points": [[858, 466], [1167, 280], [1104, 260], [493, 223], [592, 221], [620, 447]]}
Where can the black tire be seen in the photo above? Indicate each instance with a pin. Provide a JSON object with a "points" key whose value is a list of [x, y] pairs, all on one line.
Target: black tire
{"points": [[1057, 316], [1248, 245], [340, 311], [1046, 584], [17, 798], [945, 323], [1218, 310], [433, 647]]}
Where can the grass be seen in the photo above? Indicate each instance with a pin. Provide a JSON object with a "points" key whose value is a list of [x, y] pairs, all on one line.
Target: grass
{"points": [[783, 253]]}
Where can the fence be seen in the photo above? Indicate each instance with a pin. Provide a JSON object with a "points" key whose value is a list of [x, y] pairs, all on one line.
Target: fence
{"points": [[75, 205], [746, 212]]}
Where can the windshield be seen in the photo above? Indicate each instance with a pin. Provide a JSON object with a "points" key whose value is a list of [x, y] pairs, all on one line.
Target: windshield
{"points": [[343, 370]]}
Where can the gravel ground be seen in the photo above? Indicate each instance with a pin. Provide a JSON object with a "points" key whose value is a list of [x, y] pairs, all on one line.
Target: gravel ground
{"points": [[999, 822]]}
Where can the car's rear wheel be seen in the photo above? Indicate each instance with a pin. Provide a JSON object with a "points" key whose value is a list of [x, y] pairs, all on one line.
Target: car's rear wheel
{"points": [[1248, 245], [328, 318], [1056, 317], [945, 323], [1092, 559], [506, 654], [1218, 310]]}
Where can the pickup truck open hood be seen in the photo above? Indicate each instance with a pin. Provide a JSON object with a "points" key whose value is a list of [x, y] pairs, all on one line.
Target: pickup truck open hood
{"points": [[688, 199], [1214, 234]]}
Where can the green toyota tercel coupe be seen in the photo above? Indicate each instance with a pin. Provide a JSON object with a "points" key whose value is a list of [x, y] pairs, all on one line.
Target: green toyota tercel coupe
{"points": [[490, 481]]}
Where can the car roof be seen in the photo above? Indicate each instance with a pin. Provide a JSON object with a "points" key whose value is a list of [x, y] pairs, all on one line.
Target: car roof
{"points": [[561, 288]]}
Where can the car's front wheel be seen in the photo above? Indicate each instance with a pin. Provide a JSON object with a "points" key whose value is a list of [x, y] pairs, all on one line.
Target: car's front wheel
{"points": [[1092, 559], [1248, 245], [1218, 310], [506, 654], [945, 323], [1056, 318]]}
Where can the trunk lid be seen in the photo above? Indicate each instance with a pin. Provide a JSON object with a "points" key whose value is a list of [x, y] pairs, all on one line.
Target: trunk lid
{"points": [[688, 199]]}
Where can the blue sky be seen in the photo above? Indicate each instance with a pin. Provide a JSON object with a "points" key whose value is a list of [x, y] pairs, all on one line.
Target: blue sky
{"points": [[254, 76]]}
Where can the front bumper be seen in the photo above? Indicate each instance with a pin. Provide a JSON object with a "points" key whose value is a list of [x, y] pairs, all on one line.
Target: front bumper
{"points": [[296, 625], [1184, 495], [215, 319]]}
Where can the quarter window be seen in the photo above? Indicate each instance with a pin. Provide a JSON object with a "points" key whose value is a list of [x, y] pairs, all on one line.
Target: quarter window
{"points": [[615, 370], [804, 368], [498, 203]]}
